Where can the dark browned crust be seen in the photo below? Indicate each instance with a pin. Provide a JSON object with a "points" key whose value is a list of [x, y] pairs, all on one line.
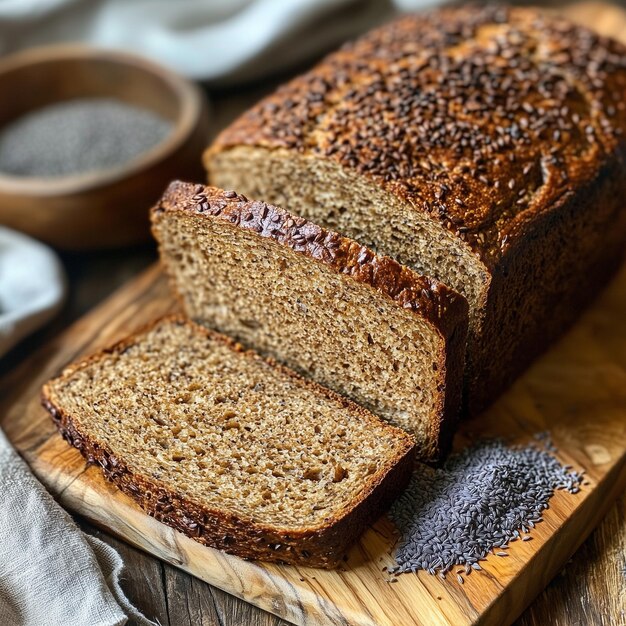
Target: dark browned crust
{"points": [[443, 308], [542, 285], [323, 546], [480, 118]]}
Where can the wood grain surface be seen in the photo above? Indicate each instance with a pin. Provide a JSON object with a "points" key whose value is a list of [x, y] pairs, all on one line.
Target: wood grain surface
{"points": [[590, 589], [577, 391]]}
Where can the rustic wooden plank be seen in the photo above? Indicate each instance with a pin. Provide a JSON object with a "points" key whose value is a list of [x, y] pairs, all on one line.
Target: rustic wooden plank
{"points": [[142, 579], [190, 602], [173, 598], [591, 588], [233, 611]]}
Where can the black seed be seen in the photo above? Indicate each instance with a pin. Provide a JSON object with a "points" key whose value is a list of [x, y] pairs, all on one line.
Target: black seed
{"points": [[480, 499]]}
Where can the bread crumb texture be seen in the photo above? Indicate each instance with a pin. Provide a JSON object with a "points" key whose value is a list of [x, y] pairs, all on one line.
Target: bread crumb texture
{"points": [[226, 429]]}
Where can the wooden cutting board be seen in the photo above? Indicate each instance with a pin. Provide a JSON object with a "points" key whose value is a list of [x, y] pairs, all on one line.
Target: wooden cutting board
{"points": [[577, 391]]}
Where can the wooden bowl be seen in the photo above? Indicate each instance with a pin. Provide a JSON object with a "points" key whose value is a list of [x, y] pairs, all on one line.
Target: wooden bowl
{"points": [[107, 207]]}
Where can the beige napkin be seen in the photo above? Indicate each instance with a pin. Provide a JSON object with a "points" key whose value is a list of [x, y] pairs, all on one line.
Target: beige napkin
{"points": [[50, 571]]}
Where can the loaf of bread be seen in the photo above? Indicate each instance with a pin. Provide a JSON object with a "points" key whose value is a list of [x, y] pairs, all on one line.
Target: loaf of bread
{"points": [[482, 146], [233, 450], [329, 308]]}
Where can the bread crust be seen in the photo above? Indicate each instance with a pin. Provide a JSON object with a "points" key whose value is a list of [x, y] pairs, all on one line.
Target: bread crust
{"points": [[419, 107], [322, 546], [496, 124], [443, 308]]}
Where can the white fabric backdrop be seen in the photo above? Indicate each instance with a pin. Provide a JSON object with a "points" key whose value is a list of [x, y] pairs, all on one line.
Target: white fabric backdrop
{"points": [[222, 41]]}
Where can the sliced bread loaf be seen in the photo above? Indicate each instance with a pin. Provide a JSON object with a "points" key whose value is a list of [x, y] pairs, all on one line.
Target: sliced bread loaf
{"points": [[231, 449], [483, 146], [331, 309]]}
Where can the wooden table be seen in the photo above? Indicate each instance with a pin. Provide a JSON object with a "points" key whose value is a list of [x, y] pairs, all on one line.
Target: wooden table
{"points": [[589, 591]]}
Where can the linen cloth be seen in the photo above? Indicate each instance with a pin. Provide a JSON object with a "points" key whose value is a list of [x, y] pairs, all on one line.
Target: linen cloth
{"points": [[32, 286], [50, 572], [225, 41]]}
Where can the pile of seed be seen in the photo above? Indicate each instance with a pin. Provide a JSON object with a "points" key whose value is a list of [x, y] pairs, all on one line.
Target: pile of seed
{"points": [[78, 136], [482, 499]]}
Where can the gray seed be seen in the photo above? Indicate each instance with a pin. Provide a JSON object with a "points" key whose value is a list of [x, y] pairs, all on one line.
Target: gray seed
{"points": [[478, 501], [76, 136]]}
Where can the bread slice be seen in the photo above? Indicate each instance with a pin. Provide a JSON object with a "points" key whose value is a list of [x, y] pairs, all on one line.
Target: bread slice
{"points": [[358, 323], [235, 451], [482, 146]]}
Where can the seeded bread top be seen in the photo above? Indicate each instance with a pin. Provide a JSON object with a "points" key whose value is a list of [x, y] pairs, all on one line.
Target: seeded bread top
{"points": [[445, 308], [481, 117]]}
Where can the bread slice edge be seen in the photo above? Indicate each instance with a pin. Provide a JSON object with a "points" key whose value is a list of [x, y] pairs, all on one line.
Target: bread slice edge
{"points": [[442, 306]]}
